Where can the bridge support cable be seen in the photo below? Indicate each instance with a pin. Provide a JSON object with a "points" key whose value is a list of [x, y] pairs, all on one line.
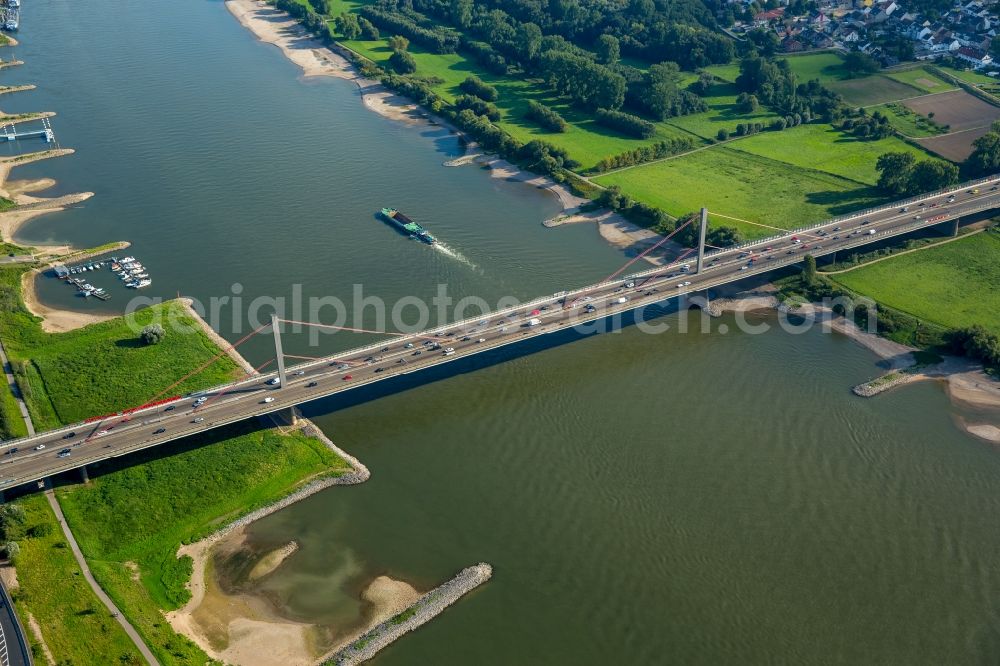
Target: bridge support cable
{"points": [[230, 388], [765, 226], [647, 251], [125, 414]]}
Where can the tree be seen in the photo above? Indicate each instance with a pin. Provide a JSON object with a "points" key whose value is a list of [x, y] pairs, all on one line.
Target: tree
{"points": [[894, 171], [857, 63], [930, 175], [152, 334], [809, 269], [402, 62], [348, 26], [12, 550], [608, 49], [747, 103], [368, 29], [985, 157], [723, 134], [703, 85], [399, 43]]}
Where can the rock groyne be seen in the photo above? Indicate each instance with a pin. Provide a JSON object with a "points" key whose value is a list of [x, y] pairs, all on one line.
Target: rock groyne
{"points": [[425, 609]]}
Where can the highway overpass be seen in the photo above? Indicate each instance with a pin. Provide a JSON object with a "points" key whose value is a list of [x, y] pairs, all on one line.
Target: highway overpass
{"points": [[33, 458]]}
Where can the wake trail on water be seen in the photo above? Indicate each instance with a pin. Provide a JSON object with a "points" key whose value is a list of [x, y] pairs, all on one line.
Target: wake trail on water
{"points": [[454, 254]]}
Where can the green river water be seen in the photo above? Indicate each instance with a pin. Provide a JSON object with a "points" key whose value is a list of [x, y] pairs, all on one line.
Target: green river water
{"points": [[675, 498]]}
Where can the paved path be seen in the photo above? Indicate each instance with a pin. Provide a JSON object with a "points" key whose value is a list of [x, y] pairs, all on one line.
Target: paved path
{"points": [[105, 599], [9, 371]]}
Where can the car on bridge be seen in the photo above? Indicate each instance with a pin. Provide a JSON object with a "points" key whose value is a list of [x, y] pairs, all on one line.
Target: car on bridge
{"points": [[267, 399], [65, 453]]}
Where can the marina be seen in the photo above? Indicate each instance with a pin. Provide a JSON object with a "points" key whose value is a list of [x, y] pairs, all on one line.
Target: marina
{"points": [[127, 269]]}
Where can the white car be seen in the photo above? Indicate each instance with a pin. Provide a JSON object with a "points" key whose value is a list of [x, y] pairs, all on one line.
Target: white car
{"points": [[481, 340], [198, 420], [200, 401], [273, 381], [39, 447], [449, 351], [268, 399]]}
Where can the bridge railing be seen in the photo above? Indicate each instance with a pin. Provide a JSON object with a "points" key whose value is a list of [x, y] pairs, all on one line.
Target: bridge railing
{"points": [[373, 347]]}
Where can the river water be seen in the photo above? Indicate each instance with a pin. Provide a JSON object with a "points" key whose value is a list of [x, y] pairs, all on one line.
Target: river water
{"points": [[674, 498]]}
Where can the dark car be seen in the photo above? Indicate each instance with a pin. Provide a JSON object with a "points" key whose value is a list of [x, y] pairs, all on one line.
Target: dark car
{"points": [[169, 408], [159, 431], [69, 435], [65, 453], [12, 450], [311, 384]]}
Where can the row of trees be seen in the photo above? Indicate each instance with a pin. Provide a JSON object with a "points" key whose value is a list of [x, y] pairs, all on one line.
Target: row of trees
{"points": [[656, 151], [435, 38], [625, 123], [545, 117], [902, 174]]}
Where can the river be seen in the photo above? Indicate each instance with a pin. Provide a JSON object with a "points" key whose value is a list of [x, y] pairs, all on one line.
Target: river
{"points": [[675, 498]]}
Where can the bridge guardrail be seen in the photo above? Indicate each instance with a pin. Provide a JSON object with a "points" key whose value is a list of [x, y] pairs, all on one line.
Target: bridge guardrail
{"points": [[225, 388]]}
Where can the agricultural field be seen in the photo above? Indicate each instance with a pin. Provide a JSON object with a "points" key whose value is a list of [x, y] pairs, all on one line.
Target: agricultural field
{"points": [[967, 116], [871, 90], [921, 79], [958, 109], [952, 284], [821, 147], [745, 186], [827, 66]]}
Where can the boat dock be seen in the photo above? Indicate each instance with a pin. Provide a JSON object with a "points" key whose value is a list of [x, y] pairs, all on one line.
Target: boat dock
{"points": [[10, 132], [127, 269]]}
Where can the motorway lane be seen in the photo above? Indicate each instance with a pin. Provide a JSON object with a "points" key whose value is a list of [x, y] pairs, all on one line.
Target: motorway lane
{"points": [[315, 379]]}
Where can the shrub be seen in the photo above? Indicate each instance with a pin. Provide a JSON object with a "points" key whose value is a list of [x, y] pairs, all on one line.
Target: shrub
{"points": [[402, 62], [152, 334]]}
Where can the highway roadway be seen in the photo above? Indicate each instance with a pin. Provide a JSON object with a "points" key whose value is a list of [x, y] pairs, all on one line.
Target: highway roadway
{"points": [[33, 458]]}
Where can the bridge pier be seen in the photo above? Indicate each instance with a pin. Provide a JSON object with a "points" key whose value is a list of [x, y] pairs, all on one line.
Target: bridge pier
{"points": [[954, 229], [701, 239], [84, 476], [283, 417], [279, 355]]}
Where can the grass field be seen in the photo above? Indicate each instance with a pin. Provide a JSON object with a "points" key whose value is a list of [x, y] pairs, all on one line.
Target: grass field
{"points": [[922, 80], [745, 186], [585, 140], [970, 76], [67, 377], [74, 624], [826, 66], [134, 515], [953, 284], [722, 114], [821, 147]]}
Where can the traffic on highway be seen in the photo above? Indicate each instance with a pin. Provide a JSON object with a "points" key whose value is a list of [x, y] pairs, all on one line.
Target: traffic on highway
{"points": [[29, 459]]}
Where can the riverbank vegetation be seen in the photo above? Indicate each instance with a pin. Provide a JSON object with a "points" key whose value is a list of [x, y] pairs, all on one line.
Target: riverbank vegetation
{"points": [[136, 512], [102, 368], [140, 508], [75, 626], [952, 284]]}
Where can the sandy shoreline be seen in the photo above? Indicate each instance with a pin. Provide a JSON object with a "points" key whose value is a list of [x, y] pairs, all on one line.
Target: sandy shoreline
{"points": [[278, 28], [966, 381]]}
